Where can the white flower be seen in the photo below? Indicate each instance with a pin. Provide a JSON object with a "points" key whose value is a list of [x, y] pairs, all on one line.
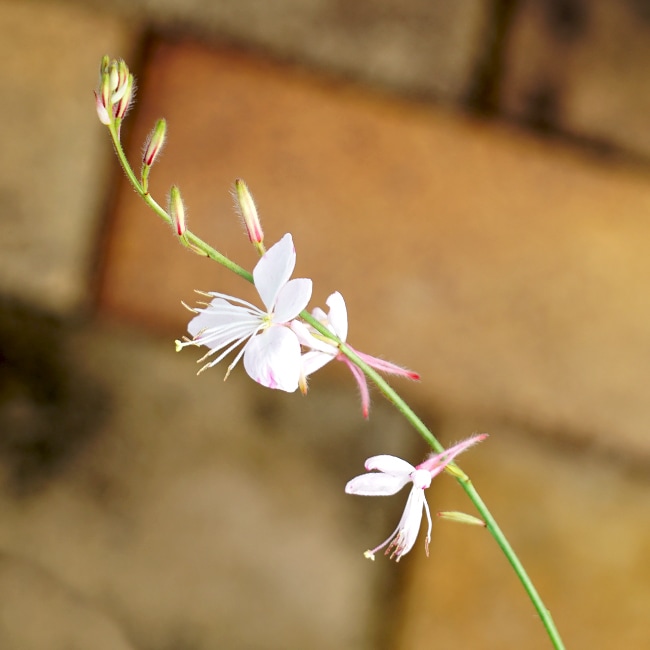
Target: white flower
{"points": [[271, 349], [323, 350], [392, 475]]}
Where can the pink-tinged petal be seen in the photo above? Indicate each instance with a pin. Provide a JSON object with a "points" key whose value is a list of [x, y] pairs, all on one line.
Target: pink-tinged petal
{"points": [[338, 316], [362, 383], [389, 465], [273, 359], [387, 366], [291, 300], [274, 269], [436, 463], [102, 113], [376, 484]]}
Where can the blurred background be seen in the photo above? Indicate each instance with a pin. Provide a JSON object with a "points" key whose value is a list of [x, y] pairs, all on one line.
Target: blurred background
{"points": [[473, 176]]}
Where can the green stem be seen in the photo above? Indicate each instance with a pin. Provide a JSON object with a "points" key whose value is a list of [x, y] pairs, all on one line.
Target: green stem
{"points": [[199, 245], [469, 489], [188, 236]]}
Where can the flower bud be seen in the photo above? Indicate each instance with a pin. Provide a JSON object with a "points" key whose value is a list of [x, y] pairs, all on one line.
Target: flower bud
{"points": [[177, 211], [248, 212], [122, 106], [461, 518], [119, 80], [154, 143]]}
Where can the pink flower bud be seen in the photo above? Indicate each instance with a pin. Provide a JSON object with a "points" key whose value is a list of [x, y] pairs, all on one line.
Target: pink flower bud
{"points": [[102, 113], [154, 143], [122, 106], [246, 208], [177, 211]]}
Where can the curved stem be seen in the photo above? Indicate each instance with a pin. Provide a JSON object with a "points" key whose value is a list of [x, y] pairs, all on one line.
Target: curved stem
{"points": [[199, 245], [469, 489]]}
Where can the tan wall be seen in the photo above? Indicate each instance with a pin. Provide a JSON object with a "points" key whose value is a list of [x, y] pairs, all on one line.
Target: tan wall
{"points": [[144, 507]]}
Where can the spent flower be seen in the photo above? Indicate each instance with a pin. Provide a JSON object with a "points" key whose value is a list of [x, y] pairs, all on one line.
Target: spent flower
{"points": [[322, 350]]}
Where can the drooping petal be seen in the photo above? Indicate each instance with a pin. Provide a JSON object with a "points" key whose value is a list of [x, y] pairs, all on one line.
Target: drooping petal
{"points": [[274, 269], [338, 316], [376, 484], [436, 463], [386, 366], [291, 300], [409, 525], [360, 377], [272, 358], [402, 539]]}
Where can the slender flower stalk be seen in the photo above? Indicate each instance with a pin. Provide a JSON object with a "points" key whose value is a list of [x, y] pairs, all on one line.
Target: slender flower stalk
{"points": [[116, 83]]}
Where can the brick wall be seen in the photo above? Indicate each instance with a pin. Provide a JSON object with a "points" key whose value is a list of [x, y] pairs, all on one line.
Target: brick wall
{"points": [[471, 175]]}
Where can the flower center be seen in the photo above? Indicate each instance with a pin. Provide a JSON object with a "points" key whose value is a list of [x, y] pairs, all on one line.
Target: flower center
{"points": [[421, 478]]}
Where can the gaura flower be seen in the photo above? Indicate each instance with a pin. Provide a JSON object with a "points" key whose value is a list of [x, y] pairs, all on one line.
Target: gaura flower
{"points": [[271, 349], [323, 350], [392, 475]]}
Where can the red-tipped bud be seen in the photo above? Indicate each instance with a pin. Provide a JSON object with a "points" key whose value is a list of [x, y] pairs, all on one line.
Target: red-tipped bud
{"points": [[154, 143], [126, 95], [116, 86], [177, 211], [119, 80], [461, 518], [248, 212]]}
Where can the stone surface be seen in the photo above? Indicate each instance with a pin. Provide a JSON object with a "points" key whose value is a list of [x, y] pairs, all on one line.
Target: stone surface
{"points": [[420, 46], [510, 272], [579, 524], [39, 611], [195, 513], [581, 67], [52, 170]]}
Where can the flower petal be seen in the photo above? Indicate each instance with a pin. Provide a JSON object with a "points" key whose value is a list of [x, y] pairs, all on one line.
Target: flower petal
{"points": [[387, 366], [274, 269], [291, 300], [314, 360], [338, 316], [376, 484], [220, 323], [409, 525], [360, 377], [273, 358], [307, 339], [389, 465]]}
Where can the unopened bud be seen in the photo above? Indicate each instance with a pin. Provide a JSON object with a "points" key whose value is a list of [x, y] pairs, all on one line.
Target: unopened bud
{"points": [[119, 80], [177, 211], [248, 212], [122, 106], [461, 518], [154, 143], [102, 113]]}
